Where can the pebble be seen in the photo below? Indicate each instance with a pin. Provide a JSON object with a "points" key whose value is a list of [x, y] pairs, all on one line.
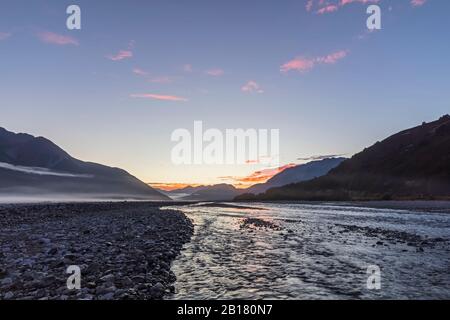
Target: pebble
{"points": [[124, 250], [9, 295]]}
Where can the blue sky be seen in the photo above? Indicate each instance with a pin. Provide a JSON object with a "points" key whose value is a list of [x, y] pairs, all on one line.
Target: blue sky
{"points": [[343, 90]]}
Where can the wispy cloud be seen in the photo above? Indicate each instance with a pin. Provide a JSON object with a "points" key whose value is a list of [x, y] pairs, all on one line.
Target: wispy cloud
{"points": [[327, 9], [4, 35], [300, 64], [259, 176], [158, 97], [323, 7], [333, 57], [121, 55], [252, 87], [140, 72], [56, 39], [345, 2], [147, 75], [320, 157], [304, 64], [41, 171], [171, 186], [418, 3], [215, 72]]}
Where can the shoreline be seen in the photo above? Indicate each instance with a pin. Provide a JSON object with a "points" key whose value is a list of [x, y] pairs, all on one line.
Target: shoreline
{"points": [[124, 250], [439, 206]]}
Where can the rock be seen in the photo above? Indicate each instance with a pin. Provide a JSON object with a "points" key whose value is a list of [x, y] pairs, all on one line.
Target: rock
{"points": [[70, 257], [107, 296], [44, 241], [9, 295], [157, 290], [115, 254], [104, 290], [7, 282], [107, 278]]}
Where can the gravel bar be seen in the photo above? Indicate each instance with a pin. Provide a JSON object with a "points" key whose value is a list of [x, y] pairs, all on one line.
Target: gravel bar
{"points": [[124, 250]]}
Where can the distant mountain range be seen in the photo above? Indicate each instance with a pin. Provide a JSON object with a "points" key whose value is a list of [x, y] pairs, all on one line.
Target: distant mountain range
{"points": [[412, 164], [299, 173], [216, 192], [227, 192], [36, 167], [213, 193]]}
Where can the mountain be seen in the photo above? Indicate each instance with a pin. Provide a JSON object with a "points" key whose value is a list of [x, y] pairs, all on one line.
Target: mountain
{"points": [[299, 173], [217, 192], [412, 164], [179, 194], [226, 192], [36, 167]]}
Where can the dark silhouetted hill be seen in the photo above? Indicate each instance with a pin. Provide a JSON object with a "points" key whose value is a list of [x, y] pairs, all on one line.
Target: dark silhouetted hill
{"points": [[36, 167], [412, 164], [299, 173]]}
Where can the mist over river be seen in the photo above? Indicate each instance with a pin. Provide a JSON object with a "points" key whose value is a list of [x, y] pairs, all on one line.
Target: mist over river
{"points": [[312, 251]]}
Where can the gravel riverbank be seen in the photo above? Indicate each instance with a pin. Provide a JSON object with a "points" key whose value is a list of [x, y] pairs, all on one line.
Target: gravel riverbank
{"points": [[124, 250]]}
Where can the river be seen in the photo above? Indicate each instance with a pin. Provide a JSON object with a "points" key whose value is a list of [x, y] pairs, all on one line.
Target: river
{"points": [[313, 251]]}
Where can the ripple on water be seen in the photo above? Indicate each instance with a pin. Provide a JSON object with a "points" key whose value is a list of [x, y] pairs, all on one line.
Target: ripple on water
{"points": [[318, 252]]}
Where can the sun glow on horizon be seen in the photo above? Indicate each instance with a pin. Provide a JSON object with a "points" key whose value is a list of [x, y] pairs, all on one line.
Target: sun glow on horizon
{"points": [[239, 182]]}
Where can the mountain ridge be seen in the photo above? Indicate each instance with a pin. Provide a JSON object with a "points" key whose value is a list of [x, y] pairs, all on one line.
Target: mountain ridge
{"points": [[411, 164], [35, 166], [298, 173], [227, 192]]}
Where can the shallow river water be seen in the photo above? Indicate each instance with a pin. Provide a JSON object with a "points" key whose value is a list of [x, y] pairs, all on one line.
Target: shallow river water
{"points": [[303, 251]]}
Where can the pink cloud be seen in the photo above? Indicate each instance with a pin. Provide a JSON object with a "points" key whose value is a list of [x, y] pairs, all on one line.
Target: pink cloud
{"points": [[121, 55], [322, 6], [215, 72], [327, 9], [57, 39], [146, 75], [302, 64], [299, 64], [345, 2], [418, 3], [188, 68], [260, 176], [252, 87], [4, 35], [333, 57], [158, 97]]}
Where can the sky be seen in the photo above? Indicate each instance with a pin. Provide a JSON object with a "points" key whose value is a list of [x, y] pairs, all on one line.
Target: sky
{"points": [[114, 91]]}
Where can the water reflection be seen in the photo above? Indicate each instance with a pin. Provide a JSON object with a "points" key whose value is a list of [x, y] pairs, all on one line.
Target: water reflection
{"points": [[321, 251]]}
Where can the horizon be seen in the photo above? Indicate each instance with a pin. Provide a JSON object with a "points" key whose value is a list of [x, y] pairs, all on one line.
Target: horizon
{"points": [[112, 93], [255, 178], [244, 154]]}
